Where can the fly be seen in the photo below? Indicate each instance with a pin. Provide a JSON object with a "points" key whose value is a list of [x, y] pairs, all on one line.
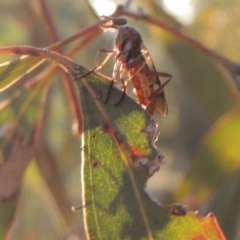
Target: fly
{"points": [[133, 57]]}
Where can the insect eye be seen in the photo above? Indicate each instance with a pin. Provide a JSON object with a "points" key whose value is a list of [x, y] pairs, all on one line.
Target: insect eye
{"points": [[119, 22], [112, 22]]}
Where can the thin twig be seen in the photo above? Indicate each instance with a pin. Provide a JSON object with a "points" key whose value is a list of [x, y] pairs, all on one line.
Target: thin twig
{"points": [[48, 18], [174, 31], [69, 88]]}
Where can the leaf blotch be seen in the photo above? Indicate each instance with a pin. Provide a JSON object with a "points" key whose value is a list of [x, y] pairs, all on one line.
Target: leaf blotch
{"points": [[95, 164], [107, 128]]}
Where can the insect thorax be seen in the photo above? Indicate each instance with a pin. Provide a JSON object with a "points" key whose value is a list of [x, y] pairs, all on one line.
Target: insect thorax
{"points": [[128, 43]]}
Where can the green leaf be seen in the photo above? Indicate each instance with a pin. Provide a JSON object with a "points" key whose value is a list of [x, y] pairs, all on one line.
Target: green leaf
{"points": [[12, 71], [192, 226], [118, 156], [19, 115]]}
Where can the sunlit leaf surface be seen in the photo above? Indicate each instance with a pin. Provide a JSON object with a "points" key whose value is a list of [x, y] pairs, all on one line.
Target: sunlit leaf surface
{"points": [[117, 158], [10, 72], [114, 143]]}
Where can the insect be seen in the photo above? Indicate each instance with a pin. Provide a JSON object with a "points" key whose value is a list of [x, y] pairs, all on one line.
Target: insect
{"points": [[133, 57]]}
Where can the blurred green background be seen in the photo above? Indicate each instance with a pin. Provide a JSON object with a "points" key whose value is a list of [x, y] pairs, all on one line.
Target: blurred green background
{"points": [[199, 137]]}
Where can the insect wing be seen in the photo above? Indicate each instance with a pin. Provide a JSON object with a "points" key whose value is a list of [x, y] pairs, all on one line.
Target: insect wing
{"points": [[161, 102]]}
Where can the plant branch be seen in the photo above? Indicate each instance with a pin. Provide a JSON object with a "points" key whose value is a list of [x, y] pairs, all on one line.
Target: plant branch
{"points": [[48, 18]]}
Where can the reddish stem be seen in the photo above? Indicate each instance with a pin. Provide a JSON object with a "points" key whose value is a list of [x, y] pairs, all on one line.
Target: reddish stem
{"points": [[48, 18]]}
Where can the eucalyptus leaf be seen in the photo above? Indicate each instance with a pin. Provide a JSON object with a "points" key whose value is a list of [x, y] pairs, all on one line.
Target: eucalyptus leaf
{"points": [[118, 156]]}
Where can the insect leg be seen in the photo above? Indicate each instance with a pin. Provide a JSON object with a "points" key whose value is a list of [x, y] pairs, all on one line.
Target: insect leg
{"points": [[109, 90], [114, 75], [161, 86], [109, 54], [97, 65], [124, 83]]}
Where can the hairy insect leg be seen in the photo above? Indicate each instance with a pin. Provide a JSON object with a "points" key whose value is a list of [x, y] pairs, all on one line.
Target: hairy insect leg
{"points": [[109, 90], [109, 54], [159, 90], [161, 86], [97, 65], [124, 84], [114, 75]]}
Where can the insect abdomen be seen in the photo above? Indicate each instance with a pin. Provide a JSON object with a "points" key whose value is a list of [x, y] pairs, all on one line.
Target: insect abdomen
{"points": [[143, 86]]}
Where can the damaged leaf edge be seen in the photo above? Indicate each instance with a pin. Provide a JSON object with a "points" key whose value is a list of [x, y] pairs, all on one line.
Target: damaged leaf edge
{"points": [[153, 165]]}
